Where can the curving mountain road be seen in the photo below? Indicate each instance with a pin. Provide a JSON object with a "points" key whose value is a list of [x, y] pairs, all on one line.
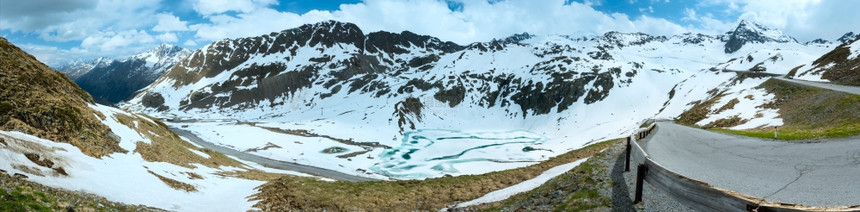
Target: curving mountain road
{"points": [[843, 88], [268, 162], [812, 173]]}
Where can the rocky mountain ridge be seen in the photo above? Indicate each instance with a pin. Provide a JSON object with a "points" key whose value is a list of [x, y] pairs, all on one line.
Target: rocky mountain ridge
{"points": [[848, 37], [396, 82], [78, 68], [111, 81], [750, 32]]}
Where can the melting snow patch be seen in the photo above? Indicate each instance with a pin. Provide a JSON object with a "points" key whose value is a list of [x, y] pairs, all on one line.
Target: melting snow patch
{"points": [[126, 178], [748, 107], [524, 186]]}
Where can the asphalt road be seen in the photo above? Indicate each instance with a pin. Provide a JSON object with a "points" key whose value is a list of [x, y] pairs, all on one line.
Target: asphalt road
{"points": [[813, 173], [835, 87], [268, 162]]}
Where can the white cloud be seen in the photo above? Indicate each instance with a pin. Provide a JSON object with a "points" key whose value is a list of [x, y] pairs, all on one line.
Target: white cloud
{"points": [[649, 9], [168, 22], [111, 41], [124, 27], [803, 19], [592, 2], [477, 21], [168, 37], [261, 21], [707, 24], [53, 56], [78, 20], [689, 15], [189, 43], [212, 7]]}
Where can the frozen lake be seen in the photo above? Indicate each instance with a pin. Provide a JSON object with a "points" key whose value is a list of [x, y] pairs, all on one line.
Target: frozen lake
{"points": [[433, 153]]}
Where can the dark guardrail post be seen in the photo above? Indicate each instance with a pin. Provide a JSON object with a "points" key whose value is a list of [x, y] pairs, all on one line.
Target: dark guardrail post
{"points": [[627, 158], [640, 178]]}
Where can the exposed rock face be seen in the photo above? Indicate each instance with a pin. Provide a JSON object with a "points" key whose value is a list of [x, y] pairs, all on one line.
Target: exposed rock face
{"points": [[369, 63], [848, 37], [749, 32], [325, 65], [818, 41]]}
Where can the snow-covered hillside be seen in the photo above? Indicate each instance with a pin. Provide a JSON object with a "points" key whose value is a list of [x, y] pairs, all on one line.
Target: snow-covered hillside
{"points": [[841, 65], [130, 177], [52, 133], [410, 92]]}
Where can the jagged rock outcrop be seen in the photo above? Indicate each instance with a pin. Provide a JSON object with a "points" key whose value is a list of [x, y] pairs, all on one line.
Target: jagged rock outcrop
{"points": [[848, 37]]}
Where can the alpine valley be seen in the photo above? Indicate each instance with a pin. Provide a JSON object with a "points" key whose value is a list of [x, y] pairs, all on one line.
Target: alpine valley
{"points": [[217, 127], [408, 106]]}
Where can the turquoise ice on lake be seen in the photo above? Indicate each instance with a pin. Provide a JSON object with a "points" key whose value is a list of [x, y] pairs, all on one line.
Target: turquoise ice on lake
{"points": [[433, 153]]}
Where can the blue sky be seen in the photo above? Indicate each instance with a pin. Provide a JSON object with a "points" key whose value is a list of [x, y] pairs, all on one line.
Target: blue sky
{"points": [[58, 31]]}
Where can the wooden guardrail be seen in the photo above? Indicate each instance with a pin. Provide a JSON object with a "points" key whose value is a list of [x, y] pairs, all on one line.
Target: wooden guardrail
{"points": [[697, 194]]}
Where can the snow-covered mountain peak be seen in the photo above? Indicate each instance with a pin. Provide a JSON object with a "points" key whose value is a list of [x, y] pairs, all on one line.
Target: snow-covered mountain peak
{"points": [[757, 28], [629, 39], [691, 38], [78, 68], [110, 81], [848, 37], [751, 32], [161, 55], [516, 38], [86, 62], [335, 27]]}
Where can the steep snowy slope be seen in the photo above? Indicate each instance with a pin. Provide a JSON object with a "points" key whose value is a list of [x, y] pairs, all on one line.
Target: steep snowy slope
{"points": [[52, 133], [443, 108], [112, 81], [841, 65]]}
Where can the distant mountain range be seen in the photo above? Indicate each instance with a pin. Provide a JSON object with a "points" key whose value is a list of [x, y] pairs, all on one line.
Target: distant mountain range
{"points": [[110, 81], [395, 82]]}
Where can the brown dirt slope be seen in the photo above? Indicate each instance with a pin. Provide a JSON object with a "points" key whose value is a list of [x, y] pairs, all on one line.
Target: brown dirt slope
{"points": [[39, 101]]}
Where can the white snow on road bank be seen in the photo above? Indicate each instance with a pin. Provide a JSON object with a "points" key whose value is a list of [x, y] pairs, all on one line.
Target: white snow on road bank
{"points": [[524, 186], [126, 177], [748, 107]]}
